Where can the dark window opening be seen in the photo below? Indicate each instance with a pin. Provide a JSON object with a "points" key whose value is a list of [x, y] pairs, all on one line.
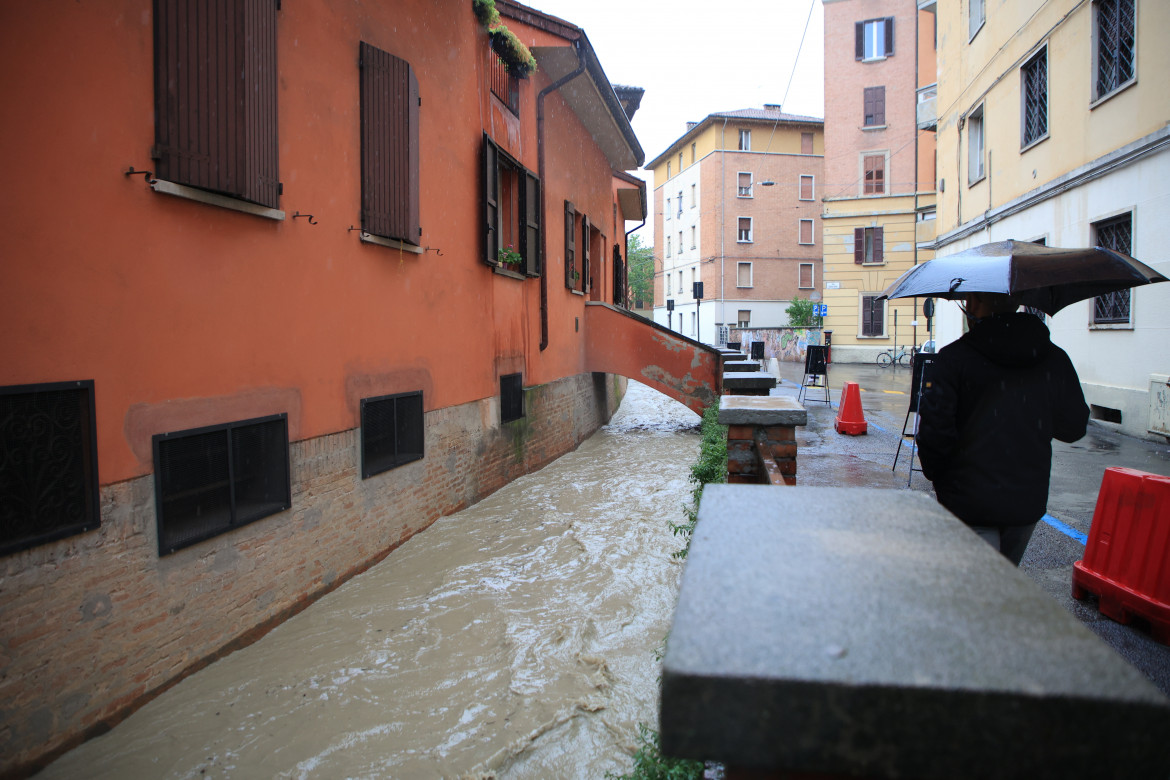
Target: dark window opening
{"points": [[1115, 45], [1035, 89], [215, 87], [392, 432], [1116, 234], [211, 480], [505, 84], [511, 199], [48, 463], [1105, 414], [389, 128], [511, 397]]}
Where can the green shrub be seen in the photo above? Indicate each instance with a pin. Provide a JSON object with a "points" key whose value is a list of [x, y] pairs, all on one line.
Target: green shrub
{"points": [[650, 764], [711, 467]]}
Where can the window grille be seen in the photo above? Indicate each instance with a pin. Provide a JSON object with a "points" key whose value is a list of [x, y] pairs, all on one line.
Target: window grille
{"points": [[511, 397], [392, 432], [1115, 44], [211, 480], [48, 463], [1114, 308], [1035, 89]]}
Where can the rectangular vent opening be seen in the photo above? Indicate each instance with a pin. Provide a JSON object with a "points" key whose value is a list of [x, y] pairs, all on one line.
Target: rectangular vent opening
{"points": [[392, 432], [511, 397], [1105, 414]]}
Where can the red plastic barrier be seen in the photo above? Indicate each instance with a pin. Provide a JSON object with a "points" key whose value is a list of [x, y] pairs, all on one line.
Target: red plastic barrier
{"points": [[1127, 557], [850, 418]]}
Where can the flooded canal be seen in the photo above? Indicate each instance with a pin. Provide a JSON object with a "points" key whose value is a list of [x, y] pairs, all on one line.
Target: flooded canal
{"points": [[515, 639]]}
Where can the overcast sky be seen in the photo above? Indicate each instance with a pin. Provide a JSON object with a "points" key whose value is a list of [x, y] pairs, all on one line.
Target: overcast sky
{"points": [[700, 57]]}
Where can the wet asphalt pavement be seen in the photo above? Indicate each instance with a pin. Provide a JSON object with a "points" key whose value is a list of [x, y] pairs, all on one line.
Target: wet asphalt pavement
{"points": [[828, 458]]}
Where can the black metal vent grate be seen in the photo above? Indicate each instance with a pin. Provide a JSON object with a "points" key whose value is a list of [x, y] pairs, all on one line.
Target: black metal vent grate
{"points": [[210, 480], [511, 397], [392, 432], [48, 463]]}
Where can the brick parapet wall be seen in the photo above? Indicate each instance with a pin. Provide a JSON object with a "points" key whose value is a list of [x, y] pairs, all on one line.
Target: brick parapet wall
{"points": [[97, 624]]}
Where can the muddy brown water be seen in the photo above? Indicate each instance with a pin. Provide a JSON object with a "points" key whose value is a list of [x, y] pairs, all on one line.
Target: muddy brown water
{"points": [[515, 639]]}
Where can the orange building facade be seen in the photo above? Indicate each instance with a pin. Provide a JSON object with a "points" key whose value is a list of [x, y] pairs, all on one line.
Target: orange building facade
{"points": [[257, 278]]}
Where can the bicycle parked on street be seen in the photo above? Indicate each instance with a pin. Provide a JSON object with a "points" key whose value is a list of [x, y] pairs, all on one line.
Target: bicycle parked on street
{"points": [[903, 356]]}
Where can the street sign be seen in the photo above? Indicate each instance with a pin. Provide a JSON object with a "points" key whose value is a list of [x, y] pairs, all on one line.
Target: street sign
{"points": [[821, 310]]}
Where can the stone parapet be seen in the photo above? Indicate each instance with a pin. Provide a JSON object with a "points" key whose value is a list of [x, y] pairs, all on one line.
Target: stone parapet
{"points": [[867, 633], [761, 438], [748, 383]]}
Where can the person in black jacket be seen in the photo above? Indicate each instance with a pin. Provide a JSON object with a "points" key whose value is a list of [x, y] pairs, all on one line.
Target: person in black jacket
{"points": [[996, 399]]}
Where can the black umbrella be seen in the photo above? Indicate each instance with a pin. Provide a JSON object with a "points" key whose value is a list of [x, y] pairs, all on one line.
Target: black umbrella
{"points": [[1046, 278]]}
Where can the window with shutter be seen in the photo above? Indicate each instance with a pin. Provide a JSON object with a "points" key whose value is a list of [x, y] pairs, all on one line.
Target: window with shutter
{"points": [[874, 108], [806, 143], [745, 230], [872, 316], [745, 185], [511, 209], [805, 232], [389, 128], [868, 245], [582, 284], [874, 39], [807, 187], [571, 269], [215, 102], [805, 279], [743, 275]]}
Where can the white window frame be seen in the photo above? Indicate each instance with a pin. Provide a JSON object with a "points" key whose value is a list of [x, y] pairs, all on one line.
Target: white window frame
{"points": [[812, 186], [976, 146], [680, 243], [668, 169], [694, 195], [680, 203], [694, 230], [976, 16], [680, 282], [812, 275], [750, 277], [745, 140], [871, 40], [739, 239], [668, 253], [668, 208], [740, 190], [812, 232], [740, 321]]}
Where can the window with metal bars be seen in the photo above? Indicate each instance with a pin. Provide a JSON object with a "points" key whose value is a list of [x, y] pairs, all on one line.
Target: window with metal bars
{"points": [[511, 397], [1117, 234], [1116, 61], [392, 432], [48, 463], [211, 480], [390, 145], [215, 90], [504, 84], [1034, 96]]}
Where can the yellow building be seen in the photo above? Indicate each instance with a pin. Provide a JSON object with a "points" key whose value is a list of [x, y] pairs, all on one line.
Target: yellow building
{"points": [[1052, 127], [879, 200]]}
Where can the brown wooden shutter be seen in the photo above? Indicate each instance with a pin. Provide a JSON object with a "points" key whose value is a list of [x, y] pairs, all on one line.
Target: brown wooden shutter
{"points": [[859, 40], [570, 243], [491, 201], [585, 253], [806, 143], [390, 170], [878, 241], [215, 97], [859, 245], [889, 36], [530, 238]]}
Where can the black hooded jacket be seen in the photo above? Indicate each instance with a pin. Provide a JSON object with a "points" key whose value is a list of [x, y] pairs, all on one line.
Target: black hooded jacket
{"points": [[995, 399]]}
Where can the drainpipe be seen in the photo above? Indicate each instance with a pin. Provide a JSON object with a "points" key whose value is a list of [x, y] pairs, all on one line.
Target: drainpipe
{"points": [[544, 188], [722, 223]]}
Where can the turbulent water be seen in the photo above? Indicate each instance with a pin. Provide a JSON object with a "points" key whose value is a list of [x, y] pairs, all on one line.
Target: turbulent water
{"points": [[515, 639]]}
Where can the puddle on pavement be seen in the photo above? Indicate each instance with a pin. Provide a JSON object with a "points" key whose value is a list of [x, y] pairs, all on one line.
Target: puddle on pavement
{"points": [[515, 639]]}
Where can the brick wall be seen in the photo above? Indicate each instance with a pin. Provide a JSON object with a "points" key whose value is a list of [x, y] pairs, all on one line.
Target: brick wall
{"points": [[97, 624]]}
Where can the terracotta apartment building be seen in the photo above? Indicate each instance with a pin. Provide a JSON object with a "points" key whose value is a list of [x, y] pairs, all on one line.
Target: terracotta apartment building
{"points": [[283, 284]]}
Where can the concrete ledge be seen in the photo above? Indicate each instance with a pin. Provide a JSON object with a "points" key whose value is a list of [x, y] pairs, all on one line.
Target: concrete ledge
{"points": [[761, 410], [869, 633], [748, 380]]}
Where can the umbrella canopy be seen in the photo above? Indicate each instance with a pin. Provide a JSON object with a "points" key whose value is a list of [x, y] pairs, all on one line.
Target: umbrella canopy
{"points": [[1047, 278]]}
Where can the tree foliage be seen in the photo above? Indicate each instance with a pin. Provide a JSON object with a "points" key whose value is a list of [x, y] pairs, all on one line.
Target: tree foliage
{"points": [[640, 264], [800, 313]]}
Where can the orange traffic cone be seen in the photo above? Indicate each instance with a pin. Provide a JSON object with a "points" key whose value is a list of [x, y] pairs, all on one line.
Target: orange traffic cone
{"points": [[850, 418]]}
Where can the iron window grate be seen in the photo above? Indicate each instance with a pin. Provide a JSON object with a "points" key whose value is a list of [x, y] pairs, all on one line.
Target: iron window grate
{"points": [[1115, 44], [48, 463], [1114, 308], [511, 397], [392, 432], [1036, 98], [211, 480]]}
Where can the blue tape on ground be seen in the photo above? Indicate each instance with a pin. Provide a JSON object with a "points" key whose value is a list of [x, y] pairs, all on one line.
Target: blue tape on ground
{"points": [[1065, 529]]}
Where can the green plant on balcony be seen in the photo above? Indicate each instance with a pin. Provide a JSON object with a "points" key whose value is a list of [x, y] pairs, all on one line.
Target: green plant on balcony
{"points": [[575, 275], [509, 257], [511, 50]]}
